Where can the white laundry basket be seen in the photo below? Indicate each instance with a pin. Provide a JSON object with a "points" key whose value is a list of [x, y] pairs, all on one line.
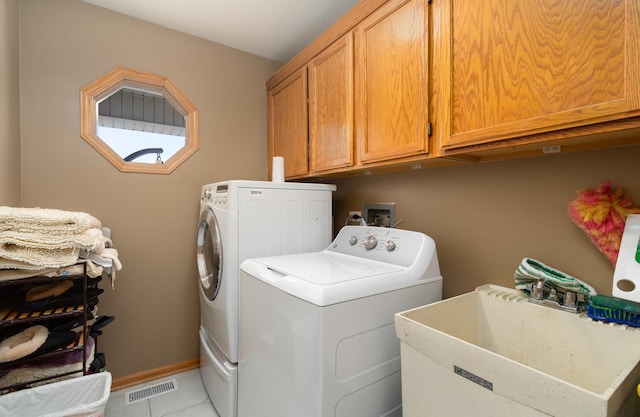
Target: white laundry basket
{"points": [[84, 396]]}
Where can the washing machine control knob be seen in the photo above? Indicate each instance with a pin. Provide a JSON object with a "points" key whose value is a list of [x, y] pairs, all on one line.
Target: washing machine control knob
{"points": [[353, 240], [390, 245], [370, 242], [207, 194]]}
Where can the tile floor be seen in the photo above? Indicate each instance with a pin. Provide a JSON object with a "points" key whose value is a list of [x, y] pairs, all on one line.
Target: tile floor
{"points": [[189, 400]]}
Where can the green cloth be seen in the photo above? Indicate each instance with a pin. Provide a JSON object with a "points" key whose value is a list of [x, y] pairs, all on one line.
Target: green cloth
{"points": [[531, 270]]}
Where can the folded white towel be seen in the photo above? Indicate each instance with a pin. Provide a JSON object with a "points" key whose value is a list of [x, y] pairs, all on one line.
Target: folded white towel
{"points": [[90, 239], [41, 220], [10, 270], [6, 264], [47, 238], [38, 258], [49, 251]]}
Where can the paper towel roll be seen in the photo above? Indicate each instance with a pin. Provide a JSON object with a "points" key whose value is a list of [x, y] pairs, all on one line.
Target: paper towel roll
{"points": [[277, 169]]}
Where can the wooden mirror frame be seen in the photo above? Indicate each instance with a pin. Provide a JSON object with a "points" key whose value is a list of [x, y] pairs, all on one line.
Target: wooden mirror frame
{"points": [[120, 77]]}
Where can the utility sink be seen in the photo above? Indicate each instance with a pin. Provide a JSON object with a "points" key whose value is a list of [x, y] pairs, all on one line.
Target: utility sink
{"points": [[492, 353]]}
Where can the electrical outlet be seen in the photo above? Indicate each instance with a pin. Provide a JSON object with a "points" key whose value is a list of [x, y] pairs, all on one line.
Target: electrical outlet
{"points": [[355, 218], [380, 214]]}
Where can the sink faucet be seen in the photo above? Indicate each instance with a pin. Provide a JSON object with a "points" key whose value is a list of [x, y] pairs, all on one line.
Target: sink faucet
{"points": [[569, 302]]}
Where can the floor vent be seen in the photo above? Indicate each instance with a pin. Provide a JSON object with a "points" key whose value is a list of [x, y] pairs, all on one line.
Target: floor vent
{"points": [[151, 391]]}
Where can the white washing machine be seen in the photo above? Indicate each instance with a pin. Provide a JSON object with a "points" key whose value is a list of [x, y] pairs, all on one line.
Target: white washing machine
{"points": [[317, 335], [240, 220]]}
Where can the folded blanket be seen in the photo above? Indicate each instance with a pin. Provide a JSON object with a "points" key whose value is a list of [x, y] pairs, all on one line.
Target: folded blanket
{"points": [[50, 221], [531, 270]]}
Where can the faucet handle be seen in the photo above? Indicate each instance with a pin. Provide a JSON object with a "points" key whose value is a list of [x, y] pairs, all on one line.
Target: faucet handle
{"points": [[570, 299], [537, 290]]}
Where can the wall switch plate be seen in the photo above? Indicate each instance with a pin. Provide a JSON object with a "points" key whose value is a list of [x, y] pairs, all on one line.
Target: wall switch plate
{"points": [[380, 214]]}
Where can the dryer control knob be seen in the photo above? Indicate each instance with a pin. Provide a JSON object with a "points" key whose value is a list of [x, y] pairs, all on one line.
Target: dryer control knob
{"points": [[353, 240], [390, 245], [370, 242]]}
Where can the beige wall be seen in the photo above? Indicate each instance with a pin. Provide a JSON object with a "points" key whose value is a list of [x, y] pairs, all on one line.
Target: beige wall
{"points": [[9, 105], [65, 45], [485, 218]]}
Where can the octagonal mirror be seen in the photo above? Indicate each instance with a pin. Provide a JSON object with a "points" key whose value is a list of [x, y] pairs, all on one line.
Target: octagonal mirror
{"points": [[140, 122]]}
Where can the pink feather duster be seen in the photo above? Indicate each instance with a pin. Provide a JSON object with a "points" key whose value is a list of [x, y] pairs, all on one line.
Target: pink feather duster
{"points": [[602, 213]]}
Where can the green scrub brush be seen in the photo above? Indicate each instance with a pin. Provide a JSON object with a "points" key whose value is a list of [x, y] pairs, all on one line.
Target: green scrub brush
{"points": [[612, 309]]}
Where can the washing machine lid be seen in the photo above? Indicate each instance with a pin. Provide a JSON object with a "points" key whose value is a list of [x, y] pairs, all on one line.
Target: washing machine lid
{"points": [[361, 261], [325, 268], [326, 278]]}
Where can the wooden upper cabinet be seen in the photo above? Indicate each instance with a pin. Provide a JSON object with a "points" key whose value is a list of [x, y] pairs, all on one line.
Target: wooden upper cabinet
{"points": [[287, 123], [391, 86], [331, 106], [519, 67]]}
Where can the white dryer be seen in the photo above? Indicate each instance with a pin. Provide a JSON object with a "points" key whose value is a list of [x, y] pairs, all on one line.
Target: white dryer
{"points": [[241, 220], [317, 334]]}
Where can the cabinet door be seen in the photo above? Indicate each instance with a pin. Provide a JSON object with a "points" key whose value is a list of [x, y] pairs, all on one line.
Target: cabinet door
{"points": [[391, 82], [287, 123], [331, 106], [519, 67]]}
